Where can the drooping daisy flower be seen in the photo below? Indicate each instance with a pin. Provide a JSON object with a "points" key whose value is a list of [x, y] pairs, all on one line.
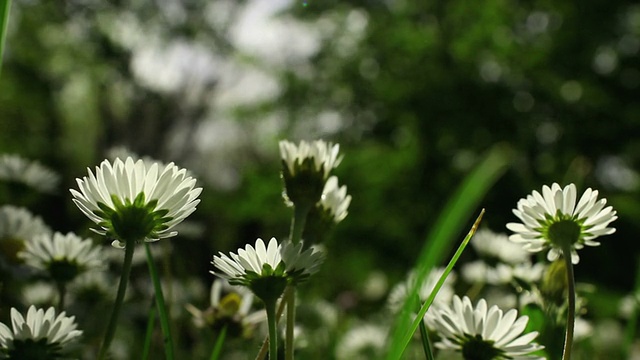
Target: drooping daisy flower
{"points": [[552, 219], [267, 270], [31, 173], [42, 335], [135, 201], [306, 168], [18, 225], [482, 333], [334, 201], [229, 307], [63, 257]]}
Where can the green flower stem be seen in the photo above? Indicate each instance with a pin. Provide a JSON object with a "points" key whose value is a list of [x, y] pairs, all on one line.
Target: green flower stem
{"points": [[270, 307], [217, 348], [160, 305], [122, 289], [5, 6], [265, 344], [426, 344], [62, 291], [300, 213], [290, 299], [151, 323], [571, 310]]}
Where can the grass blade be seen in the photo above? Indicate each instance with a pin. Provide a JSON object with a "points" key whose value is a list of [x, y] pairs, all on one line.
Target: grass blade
{"points": [[5, 6], [439, 241], [217, 348]]}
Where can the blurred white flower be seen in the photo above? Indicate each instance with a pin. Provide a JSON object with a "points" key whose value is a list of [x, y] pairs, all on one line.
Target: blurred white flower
{"points": [[18, 225], [497, 246], [362, 342], [334, 200], [399, 293], [31, 173]]}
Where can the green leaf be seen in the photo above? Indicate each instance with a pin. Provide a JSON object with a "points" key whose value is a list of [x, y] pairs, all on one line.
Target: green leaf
{"points": [[448, 225]]}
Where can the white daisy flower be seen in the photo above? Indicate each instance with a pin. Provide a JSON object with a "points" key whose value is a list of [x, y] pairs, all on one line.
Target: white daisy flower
{"points": [[497, 247], [482, 333], [41, 335], [552, 218], [306, 168], [334, 200], [31, 173], [135, 201], [399, 293], [266, 270], [18, 225], [63, 257], [362, 342]]}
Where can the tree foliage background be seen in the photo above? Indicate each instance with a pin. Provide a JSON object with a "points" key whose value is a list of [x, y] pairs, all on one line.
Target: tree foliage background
{"points": [[415, 92]]}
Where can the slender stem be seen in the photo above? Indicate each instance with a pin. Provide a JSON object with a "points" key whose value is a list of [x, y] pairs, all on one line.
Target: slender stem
{"points": [[150, 325], [62, 291], [265, 344], [571, 310], [424, 336], [160, 304], [298, 221], [217, 348], [122, 289], [290, 299], [273, 331]]}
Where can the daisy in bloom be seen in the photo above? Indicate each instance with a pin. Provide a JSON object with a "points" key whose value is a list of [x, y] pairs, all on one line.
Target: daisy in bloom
{"points": [[18, 225], [42, 335], [63, 257], [267, 269], [135, 201], [20, 170], [229, 307], [399, 293], [306, 168], [552, 220], [482, 333]]}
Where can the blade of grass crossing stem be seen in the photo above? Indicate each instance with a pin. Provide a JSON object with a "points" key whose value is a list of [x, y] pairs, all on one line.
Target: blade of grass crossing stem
{"points": [[160, 305], [5, 6], [426, 344], [151, 323], [630, 331], [423, 310], [217, 348], [438, 242]]}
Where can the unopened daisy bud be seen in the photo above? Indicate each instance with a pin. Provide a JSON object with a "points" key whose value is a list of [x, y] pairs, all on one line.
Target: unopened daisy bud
{"points": [[552, 220], [42, 335], [554, 283], [136, 201], [306, 168], [267, 270], [62, 257]]}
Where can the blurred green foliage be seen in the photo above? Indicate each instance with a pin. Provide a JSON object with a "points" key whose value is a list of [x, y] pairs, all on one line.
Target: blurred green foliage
{"points": [[420, 89]]}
